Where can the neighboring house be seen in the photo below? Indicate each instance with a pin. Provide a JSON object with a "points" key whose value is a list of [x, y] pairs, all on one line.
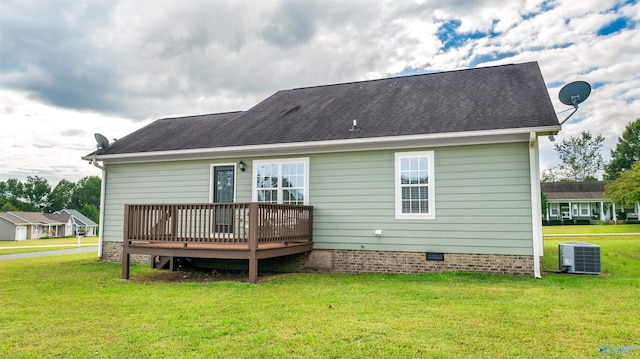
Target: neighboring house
{"points": [[81, 224], [431, 172], [584, 202], [15, 226]]}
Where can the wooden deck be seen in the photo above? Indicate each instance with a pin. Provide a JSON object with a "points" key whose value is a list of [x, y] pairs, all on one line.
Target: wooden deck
{"points": [[251, 231]]}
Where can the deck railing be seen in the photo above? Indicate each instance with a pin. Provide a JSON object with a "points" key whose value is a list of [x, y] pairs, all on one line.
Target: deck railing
{"points": [[233, 223]]}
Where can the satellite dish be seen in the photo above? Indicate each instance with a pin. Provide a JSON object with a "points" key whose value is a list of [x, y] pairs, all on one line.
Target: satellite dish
{"points": [[102, 141], [574, 93]]}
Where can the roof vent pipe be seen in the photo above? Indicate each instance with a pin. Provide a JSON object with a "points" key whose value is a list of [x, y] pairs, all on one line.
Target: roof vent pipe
{"points": [[354, 127]]}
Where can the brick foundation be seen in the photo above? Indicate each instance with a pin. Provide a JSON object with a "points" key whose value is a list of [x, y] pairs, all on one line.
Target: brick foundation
{"points": [[350, 261], [112, 252]]}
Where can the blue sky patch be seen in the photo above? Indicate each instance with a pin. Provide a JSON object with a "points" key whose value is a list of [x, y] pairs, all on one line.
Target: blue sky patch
{"points": [[450, 37], [615, 26], [544, 7], [490, 57], [551, 85], [617, 6], [409, 71]]}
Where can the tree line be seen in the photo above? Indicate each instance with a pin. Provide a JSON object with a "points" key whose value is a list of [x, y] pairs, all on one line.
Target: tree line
{"points": [[36, 195], [581, 160]]}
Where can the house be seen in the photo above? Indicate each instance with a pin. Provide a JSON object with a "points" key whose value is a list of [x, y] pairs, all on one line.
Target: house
{"points": [[81, 224], [434, 172], [583, 203], [15, 226]]}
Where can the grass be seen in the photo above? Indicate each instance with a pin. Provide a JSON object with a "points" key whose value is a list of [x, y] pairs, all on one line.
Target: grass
{"points": [[592, 229], [77, 307], [38, 245]]}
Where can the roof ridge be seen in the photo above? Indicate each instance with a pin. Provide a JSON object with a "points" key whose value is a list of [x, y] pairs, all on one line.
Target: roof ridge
{"points": [[405, 76]]}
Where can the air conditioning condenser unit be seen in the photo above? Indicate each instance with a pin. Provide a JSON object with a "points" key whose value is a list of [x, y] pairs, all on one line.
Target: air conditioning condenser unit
{"points": [[579, 257]]}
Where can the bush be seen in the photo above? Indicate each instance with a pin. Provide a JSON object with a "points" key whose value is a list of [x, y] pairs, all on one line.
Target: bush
{"points": [[555, 222], [583, 221]]}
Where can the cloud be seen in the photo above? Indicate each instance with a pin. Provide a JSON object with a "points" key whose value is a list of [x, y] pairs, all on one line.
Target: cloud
{"points": [[292, 24]]}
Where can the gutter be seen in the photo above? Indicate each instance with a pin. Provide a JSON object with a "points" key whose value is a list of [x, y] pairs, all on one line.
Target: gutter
{"points": [[103, 187], [328, 146], [536, 203]]}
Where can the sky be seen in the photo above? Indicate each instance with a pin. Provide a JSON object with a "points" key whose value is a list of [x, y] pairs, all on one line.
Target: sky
{"points": [[69, 69]]}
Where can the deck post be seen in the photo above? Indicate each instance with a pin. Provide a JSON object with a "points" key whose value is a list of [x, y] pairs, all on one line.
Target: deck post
{"points": [[125, 265], [253, 270], [253, 242], [125, 242]]}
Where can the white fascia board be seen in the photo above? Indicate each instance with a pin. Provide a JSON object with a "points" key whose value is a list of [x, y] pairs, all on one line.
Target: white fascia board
{"points": [[345, 145]]}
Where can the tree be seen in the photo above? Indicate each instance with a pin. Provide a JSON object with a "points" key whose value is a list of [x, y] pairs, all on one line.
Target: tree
{"points": [[36, 192], [60, 197], [550, 175], [87, 192], [580, 158], [13, 197], [91, 212], [625, 189], [12, 189], [36, 195], [626, 153]]}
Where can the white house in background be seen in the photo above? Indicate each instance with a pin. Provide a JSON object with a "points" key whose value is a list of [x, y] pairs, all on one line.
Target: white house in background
{"points": [[16, 226], [81, 224], [584, 201]]}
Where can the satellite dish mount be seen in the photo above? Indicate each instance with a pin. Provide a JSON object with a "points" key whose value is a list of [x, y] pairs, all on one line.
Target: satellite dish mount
{"points": [[573, 94]]}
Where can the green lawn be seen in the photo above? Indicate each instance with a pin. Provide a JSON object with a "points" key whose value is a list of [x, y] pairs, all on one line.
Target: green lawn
{"points": [[77, 307], [592, 229], [40, 245]]}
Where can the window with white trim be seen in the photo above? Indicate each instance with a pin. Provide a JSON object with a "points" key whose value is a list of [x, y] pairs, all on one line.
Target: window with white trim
{"points": [[281, 181], [584, 209], [415, 185]]}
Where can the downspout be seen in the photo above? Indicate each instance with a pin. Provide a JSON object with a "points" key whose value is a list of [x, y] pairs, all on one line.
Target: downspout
{"points": [[103, 187], [536, 205]]}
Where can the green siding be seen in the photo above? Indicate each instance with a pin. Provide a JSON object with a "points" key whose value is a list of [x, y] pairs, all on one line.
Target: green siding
{"points": [[483, 200], [162, 182]]}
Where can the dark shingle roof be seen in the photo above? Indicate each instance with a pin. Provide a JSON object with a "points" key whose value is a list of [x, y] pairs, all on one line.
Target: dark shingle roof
{"points": [[35, 218], [574, 190], [490, 98], [79, 217]]}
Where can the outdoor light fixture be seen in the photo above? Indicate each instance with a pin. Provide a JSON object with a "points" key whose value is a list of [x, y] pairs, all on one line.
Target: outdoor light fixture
{"points": [[241, 166]]}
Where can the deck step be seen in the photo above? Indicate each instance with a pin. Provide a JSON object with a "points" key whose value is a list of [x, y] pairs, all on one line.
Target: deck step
{"points": [[163, 262]]}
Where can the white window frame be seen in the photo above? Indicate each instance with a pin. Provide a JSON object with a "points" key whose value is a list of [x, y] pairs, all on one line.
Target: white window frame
{"points": [[279, 162], [587, 207], [430, 185]]}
